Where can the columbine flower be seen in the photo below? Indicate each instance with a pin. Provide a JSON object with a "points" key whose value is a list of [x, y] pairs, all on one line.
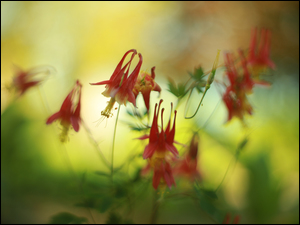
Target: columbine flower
{"points": [[259, 54], [120, 86], [187, 166], [160, 143], [145, 84], [24, 80], [69, 113]]}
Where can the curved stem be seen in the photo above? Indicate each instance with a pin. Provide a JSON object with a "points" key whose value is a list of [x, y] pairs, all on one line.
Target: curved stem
{"points": [[185, 111], [113, 145]]}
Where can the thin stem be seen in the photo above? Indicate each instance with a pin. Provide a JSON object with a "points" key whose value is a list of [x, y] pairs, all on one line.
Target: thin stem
{"points": [[185, 111], [232, 160], [155, 206], [113, 145], [95, 144]]}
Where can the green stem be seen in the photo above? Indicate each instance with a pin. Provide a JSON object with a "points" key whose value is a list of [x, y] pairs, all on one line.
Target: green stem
{"points": [[95, 144], [113, 145]]}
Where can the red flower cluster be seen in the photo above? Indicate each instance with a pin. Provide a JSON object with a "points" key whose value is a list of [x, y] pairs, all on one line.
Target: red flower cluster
{"points": [[157, 151], [69, 113], [242, 76]]}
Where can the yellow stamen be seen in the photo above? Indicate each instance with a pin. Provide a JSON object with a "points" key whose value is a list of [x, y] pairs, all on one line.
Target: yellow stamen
{"points": [[107, 111]]}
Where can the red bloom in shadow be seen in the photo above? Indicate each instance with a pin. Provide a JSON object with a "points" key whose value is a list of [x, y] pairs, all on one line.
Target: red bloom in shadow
{"points": [[161, 142], [145, 84], [236, 219], [24, 80], [187, 166], [120, 85], [69, 113]]}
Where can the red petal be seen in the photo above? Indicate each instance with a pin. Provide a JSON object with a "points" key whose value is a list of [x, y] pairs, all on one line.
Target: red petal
{"points": [[149, 150], [143, 137], [54, 117], [75, 123], [172, 149]]}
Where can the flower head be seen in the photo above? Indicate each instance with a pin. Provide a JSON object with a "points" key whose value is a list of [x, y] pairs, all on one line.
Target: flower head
{"points": [[69, 113], [161, 142], [162, 173], [120, 85], [145, 84], [259, 54], [24, 80]]}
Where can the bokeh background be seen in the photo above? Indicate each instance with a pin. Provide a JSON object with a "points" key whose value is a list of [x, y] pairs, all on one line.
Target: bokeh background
{"points": [[86, 40]]}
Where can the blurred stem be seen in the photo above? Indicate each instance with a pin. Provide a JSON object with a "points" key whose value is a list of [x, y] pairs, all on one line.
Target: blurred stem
{"points": [[113, 145], [71, 169], [95, 144], [233, 160], [155, 206]]}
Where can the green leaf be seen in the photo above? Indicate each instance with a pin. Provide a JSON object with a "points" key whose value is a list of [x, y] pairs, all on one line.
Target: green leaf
{"points": [[88, 203], [67, 218], [100, 173], [179, 91], [104, 204], [114, 218]]}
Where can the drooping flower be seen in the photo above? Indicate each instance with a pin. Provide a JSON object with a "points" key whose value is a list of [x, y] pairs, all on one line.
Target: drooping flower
{"points": [[24, 80], [160, 143], [120, 85], [145, 84], [69, 113], [259, 55], [187, 167]]}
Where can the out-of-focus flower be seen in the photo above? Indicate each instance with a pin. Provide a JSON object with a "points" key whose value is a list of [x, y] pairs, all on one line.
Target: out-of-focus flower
{"points": [[161, 142], [259, 58], [187, 166], [236, 103], [120, 86], [24, 80], [236, 219], [145, 84], [69, 113], [235, 97]]}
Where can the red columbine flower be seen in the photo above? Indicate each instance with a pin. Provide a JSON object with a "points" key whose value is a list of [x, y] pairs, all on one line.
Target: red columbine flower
{"points": [[259, 54], [120, 86], [187, 166], [69, 113], [145, 84], [27, 79], [161, 142]]}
